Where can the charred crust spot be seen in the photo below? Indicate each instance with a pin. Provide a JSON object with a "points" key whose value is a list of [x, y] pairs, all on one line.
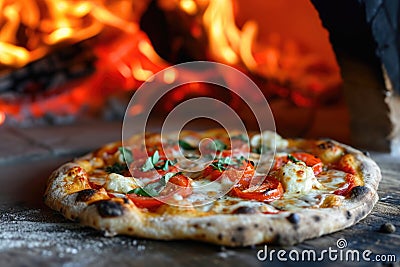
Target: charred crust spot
{"points": [[293, 218], [271, 229], [85, 195], [348, 215], [326, 145], [208, 224], [220, 236], [245, 210], [366, 153], [196, 226], [107, 208], [316, 218], [130, 229], [256, 225], [240, 228], [233, 239], [126, 201], [277, 239], [358, 192]]}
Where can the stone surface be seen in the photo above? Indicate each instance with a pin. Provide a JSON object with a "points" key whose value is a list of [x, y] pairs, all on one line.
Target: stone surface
{"points": [[14, 146], [47, 141], [76, 138]]}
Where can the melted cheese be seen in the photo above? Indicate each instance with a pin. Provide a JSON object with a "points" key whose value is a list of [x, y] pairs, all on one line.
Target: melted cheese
{"points": [[269, 140], [118, 183], [297, 178]]}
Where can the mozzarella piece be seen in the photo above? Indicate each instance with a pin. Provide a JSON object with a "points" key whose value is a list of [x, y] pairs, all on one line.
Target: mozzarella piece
{"points": [[269, 140], [118, 183], [297, 178]]}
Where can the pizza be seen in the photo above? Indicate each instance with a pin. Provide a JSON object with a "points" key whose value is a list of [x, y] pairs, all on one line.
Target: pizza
{"points": [[233, 189]]}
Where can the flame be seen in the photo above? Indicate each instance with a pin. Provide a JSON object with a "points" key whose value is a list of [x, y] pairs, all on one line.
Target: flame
{"points": [[2, 117], [47, 23], [189, 6], [223, 35], [30, 29], [279, 60]]}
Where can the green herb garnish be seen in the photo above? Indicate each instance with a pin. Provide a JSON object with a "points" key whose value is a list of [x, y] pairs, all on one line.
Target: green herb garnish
{"points": [[154, 162], [117, 167], [293, 159], [217, 145], [142, 192], [126, 154], [154, 189], [151, 162], [221, 163], [185, 145]]}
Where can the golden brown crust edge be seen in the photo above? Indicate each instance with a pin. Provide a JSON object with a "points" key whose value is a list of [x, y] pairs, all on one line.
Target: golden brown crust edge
{"points": [[122, 217]]}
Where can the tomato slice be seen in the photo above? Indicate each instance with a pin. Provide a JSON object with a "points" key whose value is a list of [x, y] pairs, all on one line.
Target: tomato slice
{"points": [[310, 160], [269, 190], [178, 184], [241, 170], [145, 202], [347, 164], [211, 173], [347, 186]]}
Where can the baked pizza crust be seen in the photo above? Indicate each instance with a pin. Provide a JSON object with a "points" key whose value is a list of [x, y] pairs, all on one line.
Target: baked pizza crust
{"points": [[94, 208]]}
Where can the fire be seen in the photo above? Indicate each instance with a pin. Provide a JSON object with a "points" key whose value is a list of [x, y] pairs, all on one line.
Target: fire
{"points": [[2, 117], [31, 29], [47, 23], [125, 56]]}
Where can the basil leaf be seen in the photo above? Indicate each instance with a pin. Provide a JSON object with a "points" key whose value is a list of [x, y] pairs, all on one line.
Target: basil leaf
{"points": [[164, 180], [217, 145], [155, 158], [117, 168], [143, 192], [148, 165], [126, 154], [222, 163], [165, 167], [227, 160], [293, 159], [185, 145], [151, 162], [154, 189], [138, 191]]}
